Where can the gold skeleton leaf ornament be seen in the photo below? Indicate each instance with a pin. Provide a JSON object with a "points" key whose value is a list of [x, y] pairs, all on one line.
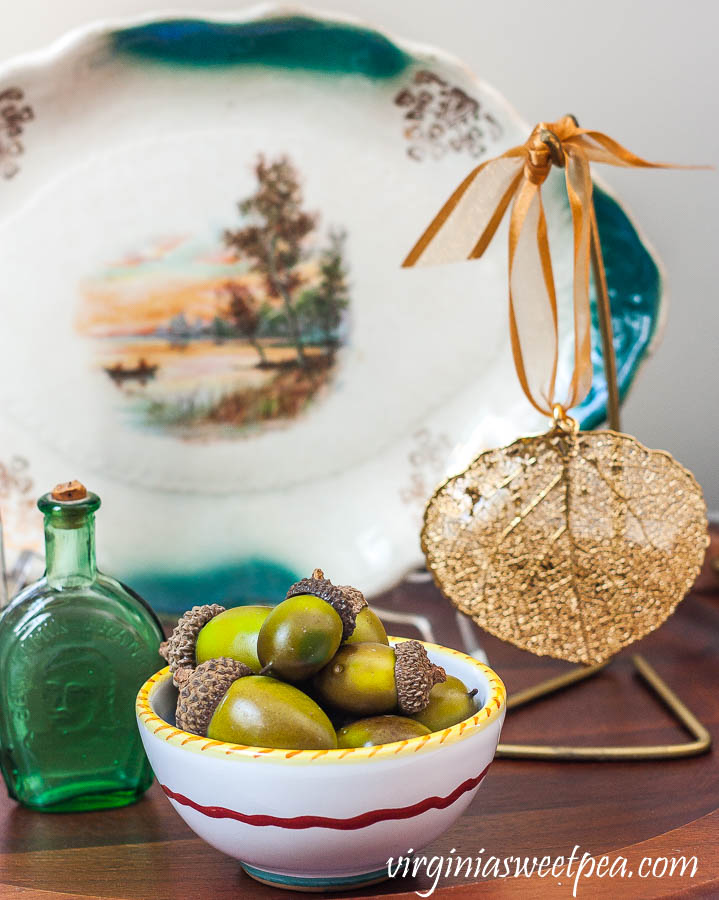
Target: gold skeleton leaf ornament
{"points": [[571, 544]]}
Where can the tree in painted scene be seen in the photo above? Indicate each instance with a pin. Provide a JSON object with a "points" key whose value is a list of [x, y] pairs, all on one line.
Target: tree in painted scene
{"points": [[325, 304], [273, 240]]}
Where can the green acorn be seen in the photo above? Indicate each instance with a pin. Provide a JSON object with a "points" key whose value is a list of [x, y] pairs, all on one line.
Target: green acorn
{"points": [[347, 601], [372, 678], [222, 699], [298, 638], [449, 703], [379, 730], [302, 634], [368, 627], [232, 633]]}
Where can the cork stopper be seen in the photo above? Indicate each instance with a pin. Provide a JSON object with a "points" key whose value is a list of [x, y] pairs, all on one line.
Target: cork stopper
{"points": [[69, 490]]}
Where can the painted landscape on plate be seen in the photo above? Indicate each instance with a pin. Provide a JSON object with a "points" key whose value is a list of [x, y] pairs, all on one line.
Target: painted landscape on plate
{"points": [[224, 335]]}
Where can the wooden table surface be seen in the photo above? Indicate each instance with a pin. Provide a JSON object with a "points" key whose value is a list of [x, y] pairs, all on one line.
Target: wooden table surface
{"points": [[663, 808]]}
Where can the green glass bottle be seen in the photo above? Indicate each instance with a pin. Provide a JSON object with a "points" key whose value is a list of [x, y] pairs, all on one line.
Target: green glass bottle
{"points": [[75, 648]]}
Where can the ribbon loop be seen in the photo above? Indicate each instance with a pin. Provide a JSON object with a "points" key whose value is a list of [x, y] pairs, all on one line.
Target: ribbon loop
{"points": [[467, 222]]}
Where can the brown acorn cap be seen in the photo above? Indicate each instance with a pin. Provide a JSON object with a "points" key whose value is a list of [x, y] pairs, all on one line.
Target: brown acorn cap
{"points": [[345, 600], [414, 675], [179, 648], [202, 691]]}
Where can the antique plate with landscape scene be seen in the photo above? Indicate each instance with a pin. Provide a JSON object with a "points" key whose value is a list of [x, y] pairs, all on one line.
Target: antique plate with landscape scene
{"points": [[204, 314]]}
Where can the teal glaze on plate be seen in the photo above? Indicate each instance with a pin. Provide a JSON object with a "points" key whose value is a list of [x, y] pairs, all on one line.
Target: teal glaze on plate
{"points": [[245, 583], [635, 289], [292, 42]]}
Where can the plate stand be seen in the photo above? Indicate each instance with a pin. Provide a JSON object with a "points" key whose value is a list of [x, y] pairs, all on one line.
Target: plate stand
{"points": [[701, 738]]}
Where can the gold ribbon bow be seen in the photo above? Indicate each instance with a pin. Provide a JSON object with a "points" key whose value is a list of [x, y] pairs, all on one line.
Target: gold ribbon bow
{"points": [[477, 207]]}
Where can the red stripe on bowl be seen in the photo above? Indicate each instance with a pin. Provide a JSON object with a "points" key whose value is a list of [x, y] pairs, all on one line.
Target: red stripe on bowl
{"points": [[361, 821]]}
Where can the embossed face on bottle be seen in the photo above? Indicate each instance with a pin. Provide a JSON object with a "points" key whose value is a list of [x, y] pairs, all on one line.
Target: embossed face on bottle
{"points": [[78, 691]]}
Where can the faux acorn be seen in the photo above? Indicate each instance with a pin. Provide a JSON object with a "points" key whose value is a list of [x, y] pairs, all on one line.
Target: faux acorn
{"points": [[379, 730], [347, 601], [298, 638], [302, 634], [449, 703], [259, 711], [233, 633], [222, 699], [372, 678], [368, 627], [211, 631]]}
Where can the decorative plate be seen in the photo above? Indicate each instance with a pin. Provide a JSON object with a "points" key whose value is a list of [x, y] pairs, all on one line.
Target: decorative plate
{"points": [[202, 223]]}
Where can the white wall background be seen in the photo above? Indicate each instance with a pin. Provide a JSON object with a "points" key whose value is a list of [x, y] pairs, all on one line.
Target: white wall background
{"points": [[646, 72]]}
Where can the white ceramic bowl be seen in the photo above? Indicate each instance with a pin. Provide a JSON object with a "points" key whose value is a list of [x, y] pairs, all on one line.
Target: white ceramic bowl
{"points": [[318, 819]]}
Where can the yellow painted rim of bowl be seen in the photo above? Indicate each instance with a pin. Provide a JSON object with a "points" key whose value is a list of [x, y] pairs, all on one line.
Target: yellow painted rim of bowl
{"points": [[492, 709]]}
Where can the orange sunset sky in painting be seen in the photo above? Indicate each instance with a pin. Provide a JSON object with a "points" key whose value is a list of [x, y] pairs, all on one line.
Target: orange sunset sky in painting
{"points": [[142, 290]]}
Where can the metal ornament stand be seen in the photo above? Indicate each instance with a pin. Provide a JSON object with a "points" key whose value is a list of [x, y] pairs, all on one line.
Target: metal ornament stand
{"points": [[701, 738]]}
